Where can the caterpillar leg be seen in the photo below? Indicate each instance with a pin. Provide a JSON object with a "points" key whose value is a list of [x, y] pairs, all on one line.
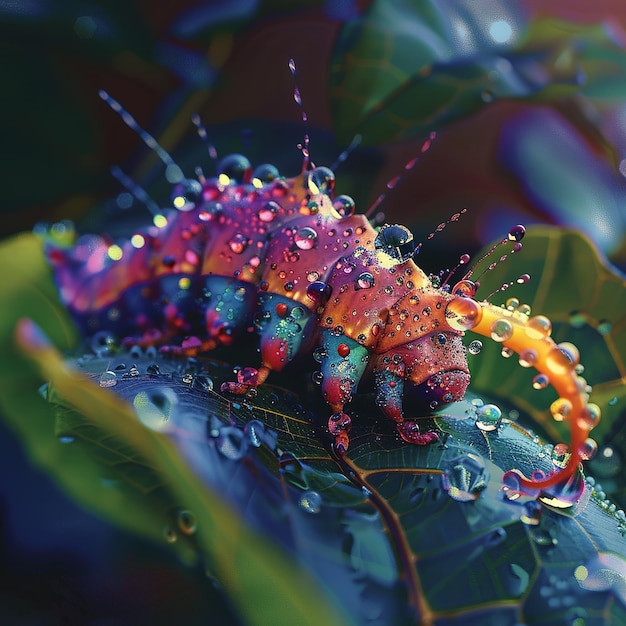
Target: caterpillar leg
{"points": [[343, 362], [283, 327], [389, 395], [529, 337]]}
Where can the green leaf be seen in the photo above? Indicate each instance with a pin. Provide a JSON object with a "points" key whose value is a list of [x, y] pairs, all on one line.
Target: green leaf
{"points": [[403, 69], [262, 582]]}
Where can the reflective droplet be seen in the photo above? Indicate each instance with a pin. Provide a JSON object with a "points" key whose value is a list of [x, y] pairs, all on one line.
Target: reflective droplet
{"points": [[154, 408], [103, 343], [231, 443], [364, 281], [560, 455], [311, 502], [488, 417], [588, 449], [541, 381], [590, 416], [604, 571], [465, 288], [187, 522], [305, 238], [475, 347], [268, 212], [512, 304], [319, 292], [321, 180], [531, 515], [108, 379], [501, 330], [604, 327], [517, 233], [463, 313], [527, 358], [236, 167], [561, 409], [538, 327], [238, 243], [343, 206], [465, 476]]}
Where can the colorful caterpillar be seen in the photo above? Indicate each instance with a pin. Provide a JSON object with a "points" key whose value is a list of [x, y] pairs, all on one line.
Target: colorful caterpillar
{"points": [[252, 252]]}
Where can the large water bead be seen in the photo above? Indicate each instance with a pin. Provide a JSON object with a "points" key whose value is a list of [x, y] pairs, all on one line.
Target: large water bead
{"points": [[321, 180], [562, 358], [501, 330], [588, 449], [561, 409], [590, 416], [463, 313], [466, 288], [538, 327]]}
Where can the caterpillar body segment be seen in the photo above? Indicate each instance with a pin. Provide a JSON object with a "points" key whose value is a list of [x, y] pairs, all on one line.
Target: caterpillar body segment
{"points": [[287, 263]]}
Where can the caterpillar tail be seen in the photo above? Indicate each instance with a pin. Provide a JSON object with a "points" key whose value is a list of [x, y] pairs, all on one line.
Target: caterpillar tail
{"points": [[529, 337]]}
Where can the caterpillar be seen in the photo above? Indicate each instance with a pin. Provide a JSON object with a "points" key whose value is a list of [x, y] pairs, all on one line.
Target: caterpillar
{"points": [[250, 254]]}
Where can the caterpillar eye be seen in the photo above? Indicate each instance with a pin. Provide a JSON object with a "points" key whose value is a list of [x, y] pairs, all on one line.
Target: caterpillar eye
{"points": [[396, 241], [236, 168]]}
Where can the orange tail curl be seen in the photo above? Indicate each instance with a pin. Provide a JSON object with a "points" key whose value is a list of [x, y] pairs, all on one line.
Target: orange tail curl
{"points": [[529, 337]]}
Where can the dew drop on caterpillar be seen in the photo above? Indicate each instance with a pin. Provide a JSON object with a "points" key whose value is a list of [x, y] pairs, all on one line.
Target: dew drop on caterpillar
{"points": [[251, 253]]}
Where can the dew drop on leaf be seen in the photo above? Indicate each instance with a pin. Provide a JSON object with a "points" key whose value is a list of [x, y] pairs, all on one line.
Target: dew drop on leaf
{"points": [[311, 502]]}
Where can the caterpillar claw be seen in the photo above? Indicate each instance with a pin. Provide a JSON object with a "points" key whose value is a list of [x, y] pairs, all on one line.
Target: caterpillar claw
{"points": [[410, 432]]}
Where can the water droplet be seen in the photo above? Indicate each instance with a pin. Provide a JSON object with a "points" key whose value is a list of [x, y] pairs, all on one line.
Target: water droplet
{"points": [[311, 502], [541, 381], [488, 417], [321, 180], [475, 347], [103, 343], [319, 292], [108, 379], [343, 206], [605, 571], [170, 534], [560, 409], [538, 327], [238, 243], [187, 522], [364, 281], [588, 449], [517, 233], [531, 515], [590, 416], [463, 313], [527, 358], [604, 327], [465, 288], [501, 330], [465, 476], [231, 443], [154, 408], [562, 358], [268, 212], [305, 238], [236, 167]]}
